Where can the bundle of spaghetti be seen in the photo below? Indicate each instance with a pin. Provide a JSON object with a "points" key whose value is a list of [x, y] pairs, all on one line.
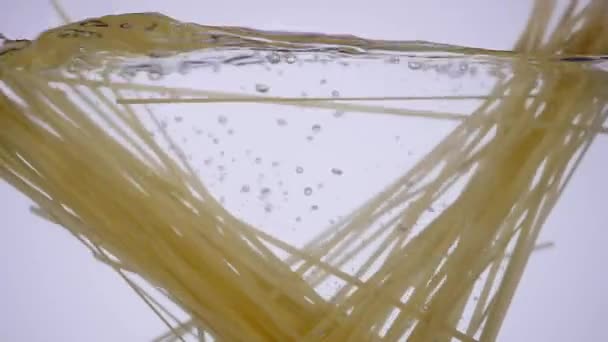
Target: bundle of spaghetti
{"points": [[90, 166]]}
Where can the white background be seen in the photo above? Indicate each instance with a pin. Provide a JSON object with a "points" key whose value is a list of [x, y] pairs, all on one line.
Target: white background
{"points": [[51, 289]]}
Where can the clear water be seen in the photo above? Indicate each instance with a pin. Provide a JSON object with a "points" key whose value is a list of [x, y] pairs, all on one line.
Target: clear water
{"points": [[293, 139]]}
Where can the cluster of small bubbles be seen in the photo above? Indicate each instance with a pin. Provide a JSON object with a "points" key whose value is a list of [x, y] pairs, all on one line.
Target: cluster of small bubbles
{"points": [[178, 118], [414, 65], [335, 93], [299, 169], [307, 191], [222, 120], [336, 171], [316, 128], [290, 58], [281, 122], [261, 88], [274, 58]]}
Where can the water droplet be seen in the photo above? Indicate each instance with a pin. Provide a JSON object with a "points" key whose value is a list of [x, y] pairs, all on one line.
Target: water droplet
{"points": [[335, 93], [308, 191], [299, 169], [222, 120], [261, 88], [281, 122], [316, 128], [290, 59], [414, 65], [178, 119], [274, 58], [336, 171]]}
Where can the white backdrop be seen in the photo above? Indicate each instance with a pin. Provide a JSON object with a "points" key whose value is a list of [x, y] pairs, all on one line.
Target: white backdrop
{"points": [[51, 289]]}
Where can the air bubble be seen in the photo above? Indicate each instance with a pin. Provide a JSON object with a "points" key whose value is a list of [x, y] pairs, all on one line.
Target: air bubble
{"points": [[393, 60], [258, 160], [323, 81], [299, 169], [222, 120], [274, 58], [314, 207], [290, 59], [308, 191], [261, 88], [316, 128], [268, 208], [336, 171], [335, 93], [178, 119], [155, 75], [414, 65], [281, 122], [338, 114], [275, 164]]}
